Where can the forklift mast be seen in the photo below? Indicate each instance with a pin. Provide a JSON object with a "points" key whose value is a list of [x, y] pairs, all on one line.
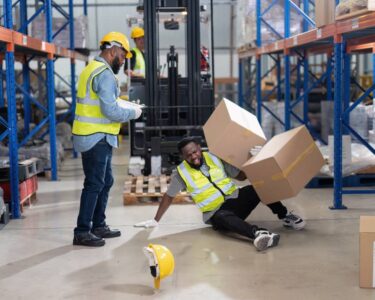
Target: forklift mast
{"points": [[176, 106]]}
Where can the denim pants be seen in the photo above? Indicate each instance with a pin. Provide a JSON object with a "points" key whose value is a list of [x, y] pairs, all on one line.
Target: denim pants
{"points": [[233, 212], [98, 181]]}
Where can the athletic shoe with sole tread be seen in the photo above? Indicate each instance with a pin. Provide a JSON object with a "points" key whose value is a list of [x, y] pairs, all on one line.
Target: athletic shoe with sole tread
{"points": [[265, 239], [293, 221]]}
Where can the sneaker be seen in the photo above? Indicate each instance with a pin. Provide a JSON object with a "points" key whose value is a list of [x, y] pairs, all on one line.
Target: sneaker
{"points": [[265, 239], [106, 232], [87, 239], [293, 221]]}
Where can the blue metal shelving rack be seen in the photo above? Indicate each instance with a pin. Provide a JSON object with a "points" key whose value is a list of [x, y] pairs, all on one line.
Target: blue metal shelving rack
{"points": [[51, 54], [336, 40]]}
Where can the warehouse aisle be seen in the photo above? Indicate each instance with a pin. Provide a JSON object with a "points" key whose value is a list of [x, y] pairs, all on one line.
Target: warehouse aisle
{"points": [[38, 261]]}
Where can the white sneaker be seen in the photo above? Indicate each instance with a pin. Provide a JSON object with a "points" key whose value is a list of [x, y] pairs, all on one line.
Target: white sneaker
{"points": [[265, 239], [293, 221]]}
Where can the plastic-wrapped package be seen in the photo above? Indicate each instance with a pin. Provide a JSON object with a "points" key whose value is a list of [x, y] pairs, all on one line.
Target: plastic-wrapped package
{"points": [[246, 12], [268, 121], [356, 5], [38, 30], [352, 6], [358, 121], [327, 111], [361, 158], [343, 8]]}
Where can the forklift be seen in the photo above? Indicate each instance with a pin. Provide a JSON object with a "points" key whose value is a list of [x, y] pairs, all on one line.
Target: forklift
{"points": [[178, 89]]}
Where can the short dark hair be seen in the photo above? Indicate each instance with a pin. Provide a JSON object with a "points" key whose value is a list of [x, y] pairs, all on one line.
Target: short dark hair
{"points": [[104, 46], [187, 140]]}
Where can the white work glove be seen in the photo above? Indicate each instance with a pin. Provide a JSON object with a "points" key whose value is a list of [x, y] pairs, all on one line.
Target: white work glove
{"points": [[138, 112], [147, 224]]}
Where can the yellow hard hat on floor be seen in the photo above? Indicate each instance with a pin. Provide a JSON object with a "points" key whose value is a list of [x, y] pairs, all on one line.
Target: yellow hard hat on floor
{"points": [[161, 262], [137, 32], [119, 38]]}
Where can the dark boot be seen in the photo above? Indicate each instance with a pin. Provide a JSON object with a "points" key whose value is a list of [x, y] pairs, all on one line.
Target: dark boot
{"points": [[88, 239], [106, 233]]}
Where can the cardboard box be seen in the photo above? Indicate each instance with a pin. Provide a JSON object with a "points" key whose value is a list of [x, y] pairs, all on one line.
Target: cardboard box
{"points": [[231, 132], [324, 12], [367, 170], [284, 165], [367, 251]]}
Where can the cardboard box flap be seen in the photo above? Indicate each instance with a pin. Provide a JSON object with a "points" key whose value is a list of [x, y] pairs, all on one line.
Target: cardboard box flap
{"points": [[367, 224], [244, 118], [275, 145]]}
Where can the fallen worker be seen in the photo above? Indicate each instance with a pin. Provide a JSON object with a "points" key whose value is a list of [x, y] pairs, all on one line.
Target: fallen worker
{"points": [[224, 205]]}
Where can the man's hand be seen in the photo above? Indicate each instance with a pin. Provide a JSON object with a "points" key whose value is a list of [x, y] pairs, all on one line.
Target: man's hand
{"points": [[147, 224], [138, 112]]}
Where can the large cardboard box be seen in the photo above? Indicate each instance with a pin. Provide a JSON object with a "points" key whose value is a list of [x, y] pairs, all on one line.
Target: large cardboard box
{"points": [[324, 12], [231, 132], [284, 165], [367, 252]]}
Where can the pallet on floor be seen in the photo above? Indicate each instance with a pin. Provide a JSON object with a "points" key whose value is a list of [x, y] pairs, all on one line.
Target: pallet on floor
{"points": [[359, 180], [149, 190]]}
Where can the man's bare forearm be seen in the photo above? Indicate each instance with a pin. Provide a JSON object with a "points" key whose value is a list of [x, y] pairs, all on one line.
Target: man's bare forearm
{"points": [[163, 206]]}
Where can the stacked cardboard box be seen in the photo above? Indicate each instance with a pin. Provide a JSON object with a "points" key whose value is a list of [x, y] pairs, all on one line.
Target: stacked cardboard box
{"points": [[282, 167], [367, 252], [324, 12]]}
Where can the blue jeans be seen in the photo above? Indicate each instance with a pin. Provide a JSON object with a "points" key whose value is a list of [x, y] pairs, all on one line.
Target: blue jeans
{"points": [[98, 181]]}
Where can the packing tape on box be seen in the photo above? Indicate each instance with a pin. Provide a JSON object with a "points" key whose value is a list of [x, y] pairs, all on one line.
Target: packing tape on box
{"points": [[281, 175], [247, 133]]}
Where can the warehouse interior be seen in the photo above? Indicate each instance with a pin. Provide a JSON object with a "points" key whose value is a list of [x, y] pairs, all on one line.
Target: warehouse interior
{"points": [[279, 90]]}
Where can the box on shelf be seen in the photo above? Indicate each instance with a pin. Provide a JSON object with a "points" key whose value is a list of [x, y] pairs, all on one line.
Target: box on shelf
{"points": [[284, 165], [353, 8], [231, 132], [324, 12], [366, 251]]}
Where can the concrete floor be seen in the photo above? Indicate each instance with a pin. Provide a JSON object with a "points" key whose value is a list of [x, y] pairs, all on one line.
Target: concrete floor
{"points": [[38, 261]]}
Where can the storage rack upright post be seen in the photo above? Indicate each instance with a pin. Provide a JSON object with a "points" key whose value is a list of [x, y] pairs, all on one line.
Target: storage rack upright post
{"points": [[338, 41], [31, 48]]}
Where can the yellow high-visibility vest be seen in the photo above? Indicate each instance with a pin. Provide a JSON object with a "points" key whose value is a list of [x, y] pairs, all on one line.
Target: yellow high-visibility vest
{"points": [[205, 195], [140, 65], [88, 117]]}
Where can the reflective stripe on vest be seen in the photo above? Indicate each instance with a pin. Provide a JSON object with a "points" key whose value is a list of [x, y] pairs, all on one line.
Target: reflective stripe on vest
{"points": [[205, 195], [88, 117], [140, 66]]}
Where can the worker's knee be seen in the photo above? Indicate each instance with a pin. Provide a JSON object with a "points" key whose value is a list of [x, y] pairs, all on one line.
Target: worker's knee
{"points": [[221, 216]]}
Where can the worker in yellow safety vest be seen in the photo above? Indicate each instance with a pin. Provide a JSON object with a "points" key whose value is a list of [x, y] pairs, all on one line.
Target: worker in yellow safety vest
{"points": [[97, 121], [137, 62], [222, 203]]}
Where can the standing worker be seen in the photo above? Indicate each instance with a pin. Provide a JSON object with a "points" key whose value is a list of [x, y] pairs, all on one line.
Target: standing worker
{"points": [[97, 122], [137, 61], [223, 204]]}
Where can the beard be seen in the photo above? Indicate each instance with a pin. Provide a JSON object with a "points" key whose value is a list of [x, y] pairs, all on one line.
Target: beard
{"points": [[116, 65], [197, 167]]}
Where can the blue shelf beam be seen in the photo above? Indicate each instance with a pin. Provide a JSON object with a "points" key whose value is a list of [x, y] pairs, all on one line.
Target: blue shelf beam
{"points": [[12, 116]]}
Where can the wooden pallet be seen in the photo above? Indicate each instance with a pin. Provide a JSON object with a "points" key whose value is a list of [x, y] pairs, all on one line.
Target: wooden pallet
{"points": [[27, 201], [149, 190]]}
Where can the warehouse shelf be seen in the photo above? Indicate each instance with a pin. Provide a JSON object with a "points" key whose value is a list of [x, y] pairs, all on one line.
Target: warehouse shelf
{"points": [[338, 41], [24, 48]]}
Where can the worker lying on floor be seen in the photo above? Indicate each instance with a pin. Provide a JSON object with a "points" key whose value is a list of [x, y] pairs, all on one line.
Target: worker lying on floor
{"points": [[222, 202]]}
